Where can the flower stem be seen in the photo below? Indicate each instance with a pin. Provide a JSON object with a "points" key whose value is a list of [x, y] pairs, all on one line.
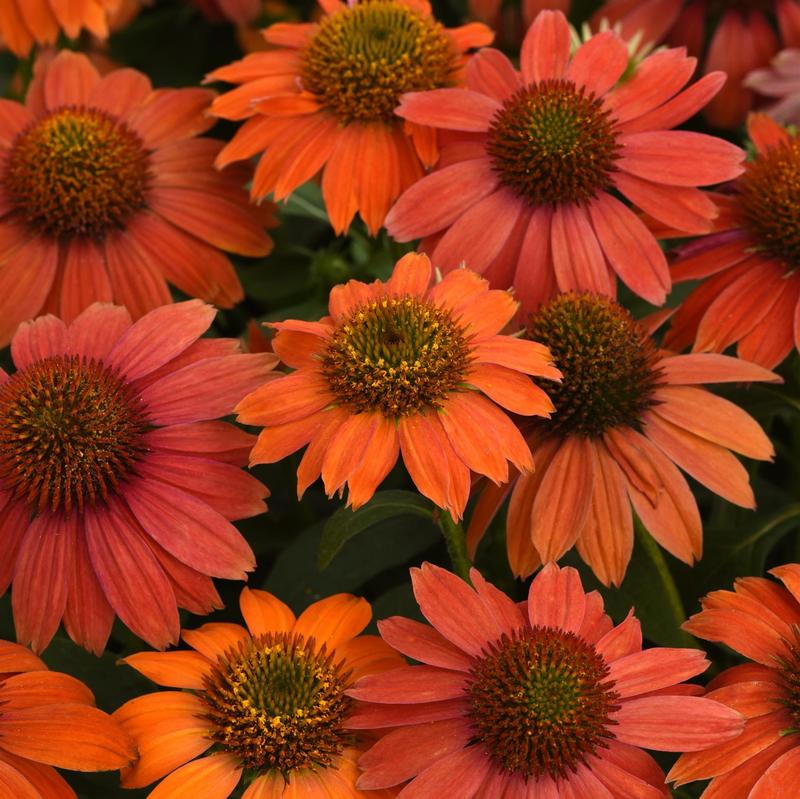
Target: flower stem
{"points": [[456, 542]]}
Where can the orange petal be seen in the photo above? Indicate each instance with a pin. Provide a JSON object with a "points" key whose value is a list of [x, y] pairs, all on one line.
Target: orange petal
{"points": [[212, 777], [264, 613], [38, 688], [171, 669], [334, 620], [215, 639]]}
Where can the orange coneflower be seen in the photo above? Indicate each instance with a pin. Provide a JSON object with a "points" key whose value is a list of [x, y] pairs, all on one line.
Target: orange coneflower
{"points": [[24, 23], [104, 188], [117, 487], [761, 620], [325, 100], [401, 368], [752, 295], [743, 38], [525, 190], [269, 699], [48, 720], [544, 700], [627, 416]]}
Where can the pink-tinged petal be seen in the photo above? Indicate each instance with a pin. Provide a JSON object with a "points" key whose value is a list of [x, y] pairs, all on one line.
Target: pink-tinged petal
{"points": [[159, 336], [556, 599], [439, 199], [70, 80], [42, 338], [636, 762], [630, 248], [564, 498], [757, 640], [41, 578], [172, 115], [490, 72], [654, 669], [596, 622], [132, 579], [502, 608], [510, 389], [655, 81], [215, 639], [217, 440], [404, 753], [374, 716], [623, 640], [703, 367], [577, 258], [757, 735], [454, 609], [410, 685], [120, 91], [469, 242], [599, 63], [710, 464], [772, 339], [659, 494], [190, 529], [780, 779], [212, 777], [751, 699], [676, 723], [680, 107], [680, 158], [679, 207], [85, 278], [458, 774], [95, 332], [227, 489], [451, 109], [545, 48], [174, 399], [287, 399], [422, 643], [14, 520], [13, 118], [716, 419], [621, 782]]}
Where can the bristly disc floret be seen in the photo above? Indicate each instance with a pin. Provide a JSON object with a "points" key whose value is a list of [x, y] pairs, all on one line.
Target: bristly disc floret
{"points": [[607, 359], [71, 430], [769, 193], [541, 702], [77, 171], [277, 702], [396, 355], [553, 142], [364, 57], [789, 669]]}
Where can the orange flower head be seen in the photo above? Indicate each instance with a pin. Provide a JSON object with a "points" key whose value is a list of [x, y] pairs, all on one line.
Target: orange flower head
{"points": [[49, 720], [608, 361], [759, 620], [270, 699], [24, 23], [627, 417], [325, 99], [403, 368], [751, 290], [106, 188], [544, 698]]}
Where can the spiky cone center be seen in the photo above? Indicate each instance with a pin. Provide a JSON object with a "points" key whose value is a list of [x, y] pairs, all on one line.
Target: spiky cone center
{"points": [[71, 431], [541, 702], [553, 142], [77, 172], [769, 193], [607, 360], [396, 355], [789, 672], [277, 702], [364, 57]]}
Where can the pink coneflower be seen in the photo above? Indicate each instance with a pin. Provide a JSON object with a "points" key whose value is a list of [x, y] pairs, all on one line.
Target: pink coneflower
{"points": [[759, 619], [116, 487], [524, 193], [780, 81], [546, 700]]}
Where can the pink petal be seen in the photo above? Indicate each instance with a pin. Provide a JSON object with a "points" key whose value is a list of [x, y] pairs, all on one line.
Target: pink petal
{"points": [[577, 258], [421, 642], [458, 774], [599, 63], [42, 338], [654, 669], [410, 685], [451, 109], [556, 599], [545, 48], [704, 367]]}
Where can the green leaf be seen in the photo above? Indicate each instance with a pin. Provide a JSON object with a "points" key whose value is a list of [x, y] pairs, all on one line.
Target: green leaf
{"points": [[346, 524]]}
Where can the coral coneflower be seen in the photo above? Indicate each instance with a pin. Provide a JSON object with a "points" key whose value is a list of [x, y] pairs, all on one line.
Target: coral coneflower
{"points": [[744, 38], [105, 190], [759, 619], [117, 488], [269, 699], [24, 23], [751, 296], [546, 700], [49, 721], [403, 368], [545, 152], [627, 416], [325, 99]]}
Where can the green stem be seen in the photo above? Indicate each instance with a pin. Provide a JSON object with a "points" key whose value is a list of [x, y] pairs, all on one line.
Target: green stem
{"points": [[456, 544], [312, 210], [669, 590]]}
